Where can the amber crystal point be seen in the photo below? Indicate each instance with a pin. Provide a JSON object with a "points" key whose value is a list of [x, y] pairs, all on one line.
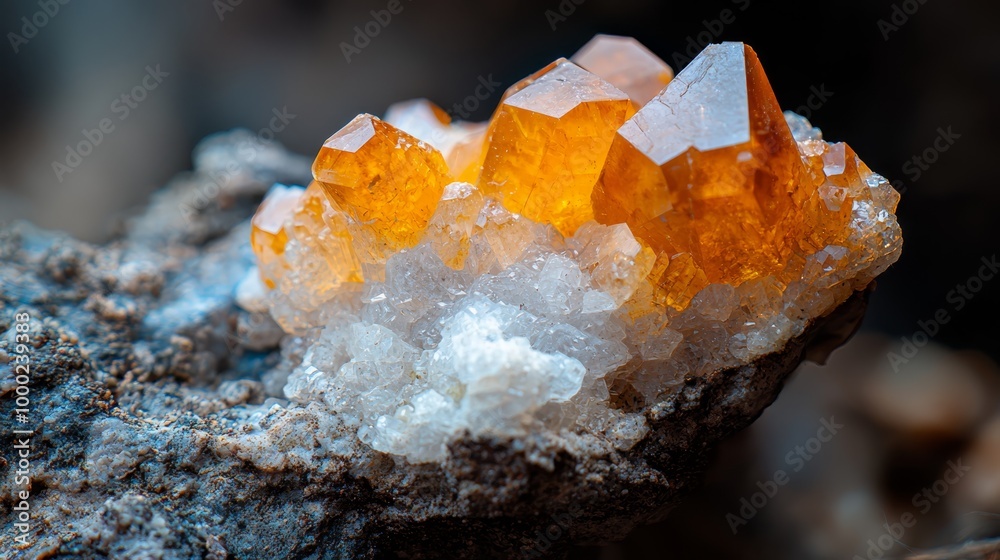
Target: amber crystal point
{"points": [[708, 168], [547, 144], [384, 178]]}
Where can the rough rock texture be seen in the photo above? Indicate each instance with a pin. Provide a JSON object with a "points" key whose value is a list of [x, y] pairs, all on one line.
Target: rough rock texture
{"points": [[153, 438]]}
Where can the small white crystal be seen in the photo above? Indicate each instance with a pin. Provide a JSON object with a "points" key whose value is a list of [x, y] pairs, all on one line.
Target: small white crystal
{"points": [[251, 293]]}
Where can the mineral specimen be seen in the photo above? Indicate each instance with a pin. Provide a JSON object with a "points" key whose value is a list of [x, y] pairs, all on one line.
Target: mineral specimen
{"points": [[402, 363], [448, 278]]}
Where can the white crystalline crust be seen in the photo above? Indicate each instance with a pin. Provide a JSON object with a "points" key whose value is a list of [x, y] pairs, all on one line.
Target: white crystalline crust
{"points": [[531, 332]]}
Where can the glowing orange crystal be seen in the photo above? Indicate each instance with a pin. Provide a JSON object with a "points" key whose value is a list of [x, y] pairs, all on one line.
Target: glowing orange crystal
{"points": [[323, 227], [386, 180], [316, 224], [267, 228], [706, 173], [627, 65], [547, 144]]}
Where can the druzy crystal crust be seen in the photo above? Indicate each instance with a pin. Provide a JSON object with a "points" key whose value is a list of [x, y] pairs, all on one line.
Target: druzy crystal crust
{"points": [[610, 231]]}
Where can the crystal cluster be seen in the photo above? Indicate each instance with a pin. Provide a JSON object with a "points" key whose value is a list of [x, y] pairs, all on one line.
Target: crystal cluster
{"points": [[611, 230]]}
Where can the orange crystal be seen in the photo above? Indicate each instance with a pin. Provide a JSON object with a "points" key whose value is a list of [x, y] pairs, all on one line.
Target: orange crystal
{"points": [[627, 65], [547, 144], [519, 273], [319, 224], [311, 218], [267, 229], [386, 180], [707, 174]]}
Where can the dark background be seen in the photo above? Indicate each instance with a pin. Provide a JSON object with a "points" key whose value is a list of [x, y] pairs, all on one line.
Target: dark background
{"points": [[889, 92]]}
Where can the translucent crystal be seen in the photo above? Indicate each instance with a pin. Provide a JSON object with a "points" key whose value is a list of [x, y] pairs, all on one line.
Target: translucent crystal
{"points": [[616, 261], [547, 144], [453, 225], [267, 235], [626, 64], [387, 181], [707, 169]]}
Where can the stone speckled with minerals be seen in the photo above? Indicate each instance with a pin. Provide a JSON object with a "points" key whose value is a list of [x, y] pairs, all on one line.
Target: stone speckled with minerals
{"points": [[453, 339]]}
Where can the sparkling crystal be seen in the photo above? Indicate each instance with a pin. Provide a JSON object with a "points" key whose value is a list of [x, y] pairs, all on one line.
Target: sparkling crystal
{"points": [[709, 174], [453, 225]]}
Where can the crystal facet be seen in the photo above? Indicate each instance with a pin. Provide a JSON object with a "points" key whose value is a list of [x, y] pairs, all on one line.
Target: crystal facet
{"points": [[386, 179], [547, 145], [708, 174], [267, 235], [627, 65]]}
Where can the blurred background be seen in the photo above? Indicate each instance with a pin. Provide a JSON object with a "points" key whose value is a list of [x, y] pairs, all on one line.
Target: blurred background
{"points": [[105, 102]]}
